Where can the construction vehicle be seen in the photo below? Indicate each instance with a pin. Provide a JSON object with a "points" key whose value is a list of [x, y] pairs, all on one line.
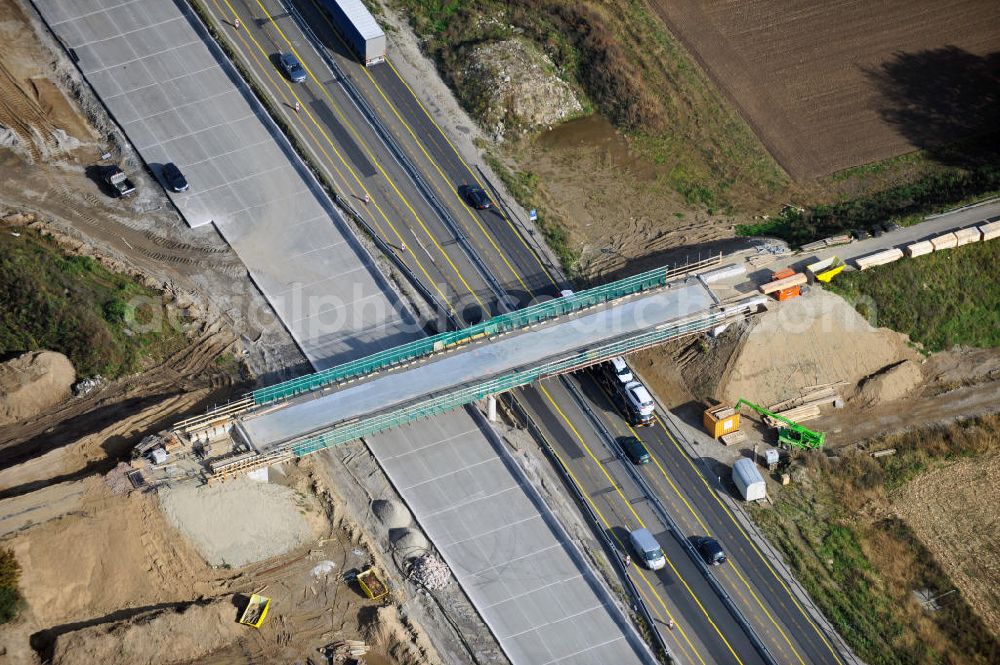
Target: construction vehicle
{"points": [[793, 435], [119, 182], [255, 611]]}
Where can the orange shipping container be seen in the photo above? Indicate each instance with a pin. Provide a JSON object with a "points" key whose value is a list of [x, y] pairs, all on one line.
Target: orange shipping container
{"points": [[721, 420]]}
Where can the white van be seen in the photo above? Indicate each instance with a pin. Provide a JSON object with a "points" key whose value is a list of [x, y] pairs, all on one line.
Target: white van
{"points": [[647, 549]]}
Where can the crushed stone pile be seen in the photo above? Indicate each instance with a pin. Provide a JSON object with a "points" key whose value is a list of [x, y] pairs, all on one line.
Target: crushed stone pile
{"points": [[117, 479], [430, 572]]}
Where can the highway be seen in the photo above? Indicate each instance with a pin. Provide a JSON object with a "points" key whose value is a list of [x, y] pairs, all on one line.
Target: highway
{"points": [[335, 131]]}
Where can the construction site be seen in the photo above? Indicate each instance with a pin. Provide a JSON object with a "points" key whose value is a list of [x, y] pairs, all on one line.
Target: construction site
{"points": [[196, 467]]}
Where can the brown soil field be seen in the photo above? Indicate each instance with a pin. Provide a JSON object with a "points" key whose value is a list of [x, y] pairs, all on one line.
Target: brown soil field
{"points": [[832, 85], [953, 511]]}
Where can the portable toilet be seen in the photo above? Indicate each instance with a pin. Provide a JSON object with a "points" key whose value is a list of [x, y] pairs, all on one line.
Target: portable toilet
{"points": [[748, 480]]}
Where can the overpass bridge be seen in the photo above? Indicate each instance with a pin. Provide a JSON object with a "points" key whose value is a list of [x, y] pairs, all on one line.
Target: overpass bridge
{"points": [[453, 369]]}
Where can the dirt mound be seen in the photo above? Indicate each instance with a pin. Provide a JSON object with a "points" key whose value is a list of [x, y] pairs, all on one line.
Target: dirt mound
{"points": [[808, 341], [240, 521], [393, 514], [514, 85], [890, 384], [167, 636], [32, 382]]}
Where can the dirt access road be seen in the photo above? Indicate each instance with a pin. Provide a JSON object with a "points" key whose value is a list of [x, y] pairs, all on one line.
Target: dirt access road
{"points": [[832, 85]]}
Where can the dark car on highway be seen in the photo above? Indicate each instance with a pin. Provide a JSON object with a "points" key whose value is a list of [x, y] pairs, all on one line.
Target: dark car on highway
{"points": [[174, 178], [293, 70], [477, 198], [634, 450], [711, 551]]}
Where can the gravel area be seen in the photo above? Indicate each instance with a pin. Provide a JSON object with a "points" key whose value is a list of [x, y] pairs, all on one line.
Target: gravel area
{"points": [[238, 522]]}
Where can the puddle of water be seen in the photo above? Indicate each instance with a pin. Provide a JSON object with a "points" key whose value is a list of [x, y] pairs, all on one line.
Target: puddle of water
{"points": [[596, 131]]}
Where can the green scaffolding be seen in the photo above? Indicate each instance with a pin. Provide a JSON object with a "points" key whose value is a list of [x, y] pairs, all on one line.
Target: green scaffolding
{"points": [[468, 394], [512, 321]]}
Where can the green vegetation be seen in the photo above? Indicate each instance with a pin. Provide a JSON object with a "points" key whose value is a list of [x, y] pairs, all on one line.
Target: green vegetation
{"points": [[10, 598], [905, 203], [941, 300], [73, 305], [862, 570], [523, 186], [624, 63]]}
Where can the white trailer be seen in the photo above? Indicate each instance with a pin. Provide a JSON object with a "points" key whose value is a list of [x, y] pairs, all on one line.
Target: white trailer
{"points": [[359, 29], [748, 480]]}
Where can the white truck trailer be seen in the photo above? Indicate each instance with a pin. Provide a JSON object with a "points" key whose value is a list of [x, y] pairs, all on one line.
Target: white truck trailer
{"points": [[359, 29], [748, 480]]}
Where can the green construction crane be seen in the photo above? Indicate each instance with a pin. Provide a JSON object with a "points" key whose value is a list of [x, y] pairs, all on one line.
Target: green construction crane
{"points": [[793, 436]]}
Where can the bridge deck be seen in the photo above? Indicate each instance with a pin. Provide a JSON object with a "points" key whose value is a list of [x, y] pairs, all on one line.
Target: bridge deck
{"points": [[475, 363]]}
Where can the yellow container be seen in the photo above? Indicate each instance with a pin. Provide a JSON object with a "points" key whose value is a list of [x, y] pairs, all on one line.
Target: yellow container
{"points": [[721, 420], [255, 611], [373, 587]]}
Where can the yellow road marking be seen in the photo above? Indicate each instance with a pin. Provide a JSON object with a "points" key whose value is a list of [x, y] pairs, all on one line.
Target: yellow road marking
{"points": [[623, 547], [751, 543], [444, 178], [472, 173], [374, 162], [639, 520], [265, 71]]}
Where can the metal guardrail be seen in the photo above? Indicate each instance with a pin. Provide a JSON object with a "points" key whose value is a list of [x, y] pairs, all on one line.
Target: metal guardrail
{"points": [[661, 510], [498, 325], [471, 393], [638, 603]]}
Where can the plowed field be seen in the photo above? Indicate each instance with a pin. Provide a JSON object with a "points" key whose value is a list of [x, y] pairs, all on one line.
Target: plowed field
{"points": [[830, 85]]}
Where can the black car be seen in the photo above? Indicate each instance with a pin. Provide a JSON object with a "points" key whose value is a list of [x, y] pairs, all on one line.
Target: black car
{"points": [[477, 198], [634, 450], [711, 551], [174, 178]]}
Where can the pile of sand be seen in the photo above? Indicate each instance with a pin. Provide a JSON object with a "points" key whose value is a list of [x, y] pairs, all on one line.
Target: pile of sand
{"points": [[167, 636], [240, 521], [890, 384], [33, 382], [808, 341]]}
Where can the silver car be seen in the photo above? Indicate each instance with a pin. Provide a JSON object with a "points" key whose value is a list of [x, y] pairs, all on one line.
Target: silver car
{"points": [[293, 69]]}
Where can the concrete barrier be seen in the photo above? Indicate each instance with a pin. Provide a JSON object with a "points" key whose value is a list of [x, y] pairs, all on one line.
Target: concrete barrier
{"points": [[966, 236], [944, 241], [990, 230], [919, 248], [879, 258]]}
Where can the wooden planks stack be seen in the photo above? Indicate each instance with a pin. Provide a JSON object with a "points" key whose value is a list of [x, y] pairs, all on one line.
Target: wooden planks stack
{"points": [[805, 406], [780, 284]]}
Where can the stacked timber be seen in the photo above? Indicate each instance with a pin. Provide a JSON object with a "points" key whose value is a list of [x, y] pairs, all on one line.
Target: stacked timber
{"points": [[990, 230], [781, 284], [919, 248], [878, 258], [797, 415], [944, 241], [966, 236]]}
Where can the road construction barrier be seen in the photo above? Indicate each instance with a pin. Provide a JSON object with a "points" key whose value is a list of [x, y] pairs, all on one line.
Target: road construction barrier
{"points": [[966, 236], [944, 241], [919, 248], [990, 230], [879, 258]]}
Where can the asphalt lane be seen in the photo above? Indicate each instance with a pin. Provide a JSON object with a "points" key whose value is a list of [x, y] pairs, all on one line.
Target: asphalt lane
{"points": [[342, 142], [496, 236], [704, 630]]}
